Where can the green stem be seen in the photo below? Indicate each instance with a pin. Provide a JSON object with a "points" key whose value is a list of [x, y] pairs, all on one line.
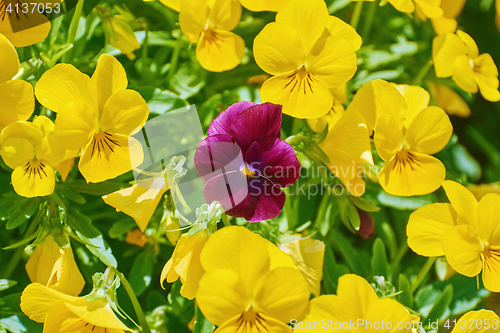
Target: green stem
{"points": [[322, 209], [399, 256], [356, 14], [372, 10], [73, 28], [14, 261], [421, 275], [423, 72], [133, 299], [175, 59], [289, 210]]}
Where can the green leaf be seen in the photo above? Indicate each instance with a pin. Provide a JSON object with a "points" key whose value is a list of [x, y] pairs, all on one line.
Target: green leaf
{"points": [[72, 195], [4, 213], [202, 324], [364, 204], [122, 226], [464, 162], [406, 297], [141, 272], [403, 203], [81, 186], [99, 249], [6, 284], [349, 253], [81, 223], [160, 101], [22, 214], [441, 309], [349, 214], [389, 238], [332, 271], [380, 265]]}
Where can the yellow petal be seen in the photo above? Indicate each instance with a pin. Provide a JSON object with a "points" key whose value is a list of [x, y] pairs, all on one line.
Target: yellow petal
{"points": [[125, 113], [263, 5], [172, 231], [168, 273], [452, 8], [430, 131], [450, 101], [308, 255], [389, 311], [220, 50], [186, 262], [375, 98], [430, 8], [193, 18], [16, 102], [417, 99], [463, 202], [487, 77], [443, 25], [40, 263], [348, 139], [330, 119], [491, 269], [67, 164], [35, 179], [481, 190], [75, 124], [445, 49], [29, 28], [488, 213], [338, 28], [17, 152], [479, 317], [463, 74], [427, 226], [249, 254], [412, 173], [8, 59], [359, 292], [108, 156], [65, 276], [61, 85], [265, 324], [388, 136], [277, 49], [225, 14], [324, 307], [173, 4], [283, 294], [472, 50], [36, 301], [462, 248], [405, 6], [109, 77], [308, 19], [125, 41], [139, 201], [332, 61], [222, 295], [23, 130], [302, 95], [98, 313]]}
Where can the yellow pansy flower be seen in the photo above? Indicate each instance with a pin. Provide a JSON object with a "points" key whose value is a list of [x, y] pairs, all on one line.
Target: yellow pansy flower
{"points": [[424, 8], [140, 200], [97, 115], [309, 53], [465, 231], [487, 320], [347, 146], [447, 22], [32, 150], [67, 163], [407, 132], [185, 263], [449, 100], [457, 55], [264, 5], [247, 286], [55, 267], [209, 23], [63, 313], [356, 308], [308, 254], [16, 97], [24, 29], [136, 237]]}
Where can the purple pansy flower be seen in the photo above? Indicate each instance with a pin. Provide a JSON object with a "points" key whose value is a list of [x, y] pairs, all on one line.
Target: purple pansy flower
{"points": [[245, 163]]}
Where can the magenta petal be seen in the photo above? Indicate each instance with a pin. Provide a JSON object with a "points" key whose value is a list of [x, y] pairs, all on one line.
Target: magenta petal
{"points": [[217, 154], [258, 122], [274, 159], [264, 201], [222, 123], [230, 189]]}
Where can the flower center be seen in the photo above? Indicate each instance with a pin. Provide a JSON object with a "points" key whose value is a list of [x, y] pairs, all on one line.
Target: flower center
{"points": [[103, 142], [34, 168], [246, 171], [471, 63], [301, 81], [211, 36], [405, 158], [251, 321]]}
